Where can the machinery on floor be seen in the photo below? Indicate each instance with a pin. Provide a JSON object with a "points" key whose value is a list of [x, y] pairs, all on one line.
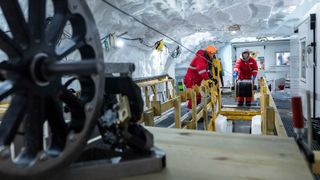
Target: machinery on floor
{"points": [[47, 125]]}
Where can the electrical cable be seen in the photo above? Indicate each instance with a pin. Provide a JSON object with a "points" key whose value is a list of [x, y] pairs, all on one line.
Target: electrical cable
{"points": [[159, 32]]}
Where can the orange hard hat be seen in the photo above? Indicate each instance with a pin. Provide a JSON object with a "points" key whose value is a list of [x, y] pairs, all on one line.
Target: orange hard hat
{"points": [[211, 49]]}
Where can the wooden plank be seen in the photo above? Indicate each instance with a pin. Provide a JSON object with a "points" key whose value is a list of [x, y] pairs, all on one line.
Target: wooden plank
{"points": [[160, 108], [237, 112], [193, 110], [156, 106], [270, 121], [152, 82], [266, 103], [155, 93], [316, 164], [173, 84], [148, 118], [147, 97], [238, 117], [281, 131], [199, 115], [183, 96], [210, 155], [278, 122], [177, 113], [168, 105], [205, 108], [168, 96]]}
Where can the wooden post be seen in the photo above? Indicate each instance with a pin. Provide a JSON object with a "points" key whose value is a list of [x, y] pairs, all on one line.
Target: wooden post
{"points": [[168, 96], [177, 113], [147, 97], [270, 120], [173, 83], [219, 98], [148, 118], [156, 106], [155, 94], [194, 110], [266, 103], [213, 113], [205, 110]]}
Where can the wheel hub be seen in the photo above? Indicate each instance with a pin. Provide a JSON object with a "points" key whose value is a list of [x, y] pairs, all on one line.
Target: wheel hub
{"points": [[36, 69]]}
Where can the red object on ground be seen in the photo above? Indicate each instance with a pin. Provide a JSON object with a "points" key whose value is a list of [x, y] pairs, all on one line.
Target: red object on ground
{"points": [[281, 87], [297, 116]]}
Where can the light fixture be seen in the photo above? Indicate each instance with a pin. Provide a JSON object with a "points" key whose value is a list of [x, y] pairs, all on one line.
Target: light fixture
{"points": [[233, 32], [119, 43]]}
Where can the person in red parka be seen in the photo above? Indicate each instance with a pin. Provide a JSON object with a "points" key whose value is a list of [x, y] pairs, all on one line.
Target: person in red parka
{"points": [[246, 68], [199, 70]]}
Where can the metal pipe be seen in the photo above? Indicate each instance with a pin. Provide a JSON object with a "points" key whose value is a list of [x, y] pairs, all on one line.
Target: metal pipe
{"points": [[309, 120], [313, 27]]}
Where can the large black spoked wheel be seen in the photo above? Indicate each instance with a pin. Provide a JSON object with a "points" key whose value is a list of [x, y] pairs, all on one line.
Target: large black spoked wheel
{"points": [[33, 78]]}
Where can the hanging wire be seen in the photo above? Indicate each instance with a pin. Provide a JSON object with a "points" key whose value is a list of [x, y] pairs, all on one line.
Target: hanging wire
{"points": [[141, 40], [159, 32]]}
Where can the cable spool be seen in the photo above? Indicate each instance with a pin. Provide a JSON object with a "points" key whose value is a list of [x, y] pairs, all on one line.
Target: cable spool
{"points": [[244, 88]]}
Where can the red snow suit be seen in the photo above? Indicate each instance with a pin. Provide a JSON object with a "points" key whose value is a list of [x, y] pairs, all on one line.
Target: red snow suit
{"points": [[197, 71], [245, 70]]}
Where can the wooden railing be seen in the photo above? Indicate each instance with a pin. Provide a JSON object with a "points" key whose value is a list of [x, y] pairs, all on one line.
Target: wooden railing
{"points": [[271, 120], [155, 107]]}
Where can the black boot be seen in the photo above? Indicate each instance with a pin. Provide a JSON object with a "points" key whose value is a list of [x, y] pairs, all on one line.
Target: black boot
{"points": [[240, 103], [248, 103]]}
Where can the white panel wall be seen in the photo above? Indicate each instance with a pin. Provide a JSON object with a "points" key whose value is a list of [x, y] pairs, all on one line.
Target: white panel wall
{"points": [[305, 34], [226, 57]]}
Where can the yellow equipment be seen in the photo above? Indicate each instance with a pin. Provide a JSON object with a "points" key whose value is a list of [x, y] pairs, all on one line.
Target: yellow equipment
{"points": [[159, 45]]}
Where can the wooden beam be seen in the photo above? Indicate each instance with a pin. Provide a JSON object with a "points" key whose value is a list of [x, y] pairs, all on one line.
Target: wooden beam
{"points": [[281, 131], [147, 97], [152, 82], [160, 108], [148, 117], [156, 105], [168, 96], [173, 84], [183, 96], [155, 93], [265, 104], [237, 112], [238, 117], [194, 110], [205, 108], [177, 113], [270, 121], [316, 165], [199, 115]]}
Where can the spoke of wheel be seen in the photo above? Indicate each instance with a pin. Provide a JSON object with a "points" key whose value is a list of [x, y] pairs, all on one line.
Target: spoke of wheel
{"points": [[76, 107], [8, 45], [72, 68], [12, 119], [33, 127], [6, 88], [37, 13], [15, 19], [55, 29], [69, 47], [58, 127]]}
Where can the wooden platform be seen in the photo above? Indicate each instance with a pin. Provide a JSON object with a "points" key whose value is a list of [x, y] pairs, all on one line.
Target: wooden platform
{"points": [[208, 155]]}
